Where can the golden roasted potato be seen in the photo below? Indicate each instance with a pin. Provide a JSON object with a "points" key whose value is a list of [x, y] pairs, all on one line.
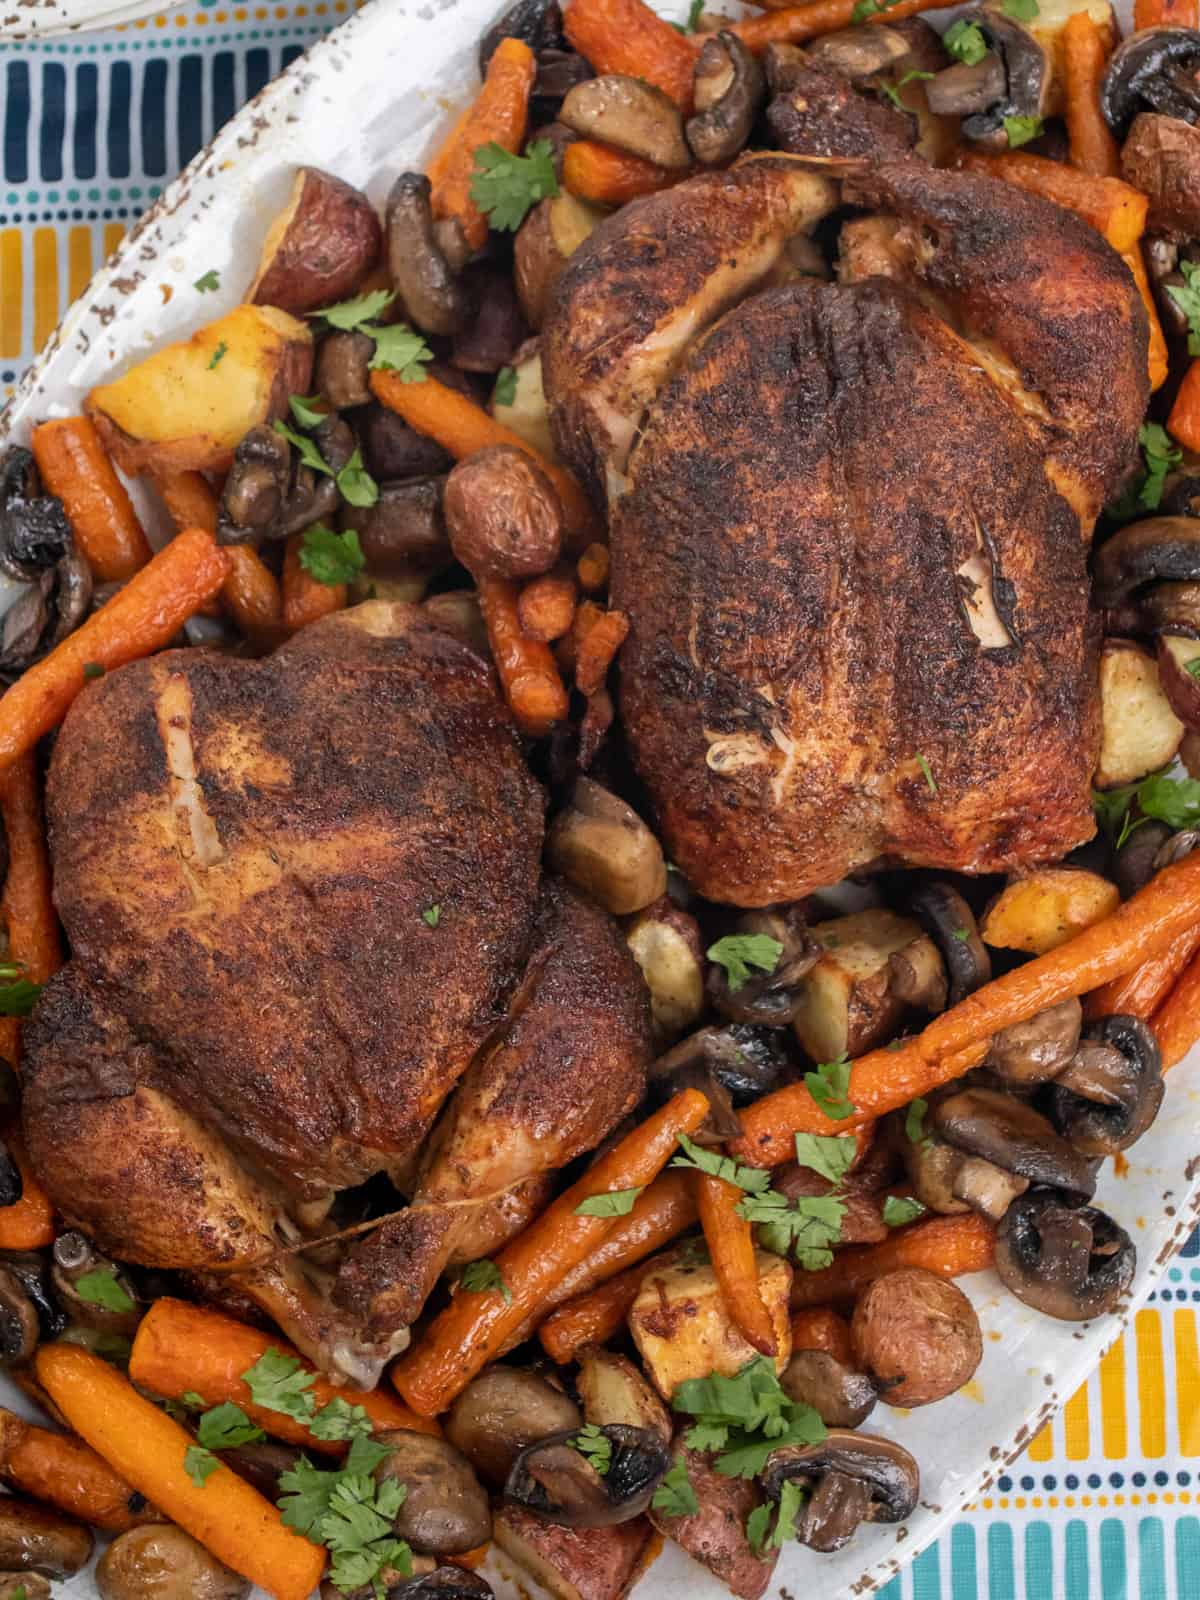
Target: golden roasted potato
{"points": [[552, 231], [527, 413], [666, 944], [1039, 912], [611, 1389], [573, 1563], [847, 1000], [319, 248], [190, 405], [604, 848], [1178, 662], [917, 1336], [1139, 730], [682, 1327]]}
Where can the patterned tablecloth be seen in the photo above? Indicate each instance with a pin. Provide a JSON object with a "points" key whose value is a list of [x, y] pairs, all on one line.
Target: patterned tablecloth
{"points": [[1103, 1505]]}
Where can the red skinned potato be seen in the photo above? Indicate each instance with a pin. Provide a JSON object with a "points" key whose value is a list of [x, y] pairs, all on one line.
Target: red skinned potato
{"points": [[716, 1535], [1178, 663], [503, 514], [574, 1563], [320, 246], [1161, 157], [917, 1336]]}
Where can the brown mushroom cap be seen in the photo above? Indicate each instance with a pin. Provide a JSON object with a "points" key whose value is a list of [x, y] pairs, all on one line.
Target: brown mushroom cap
{"points": [[631, 114], [729, 90], [1012, 1135], [556, 1481], [841, 1397], [1026, 77], [503, 1411], [34, 1538], [446, 1511], [1037, 1050], [1071, 1262], [162, 1562], [430, 291], [869, 1479], [1155, 69], [950, 923], [1112, 1091]]}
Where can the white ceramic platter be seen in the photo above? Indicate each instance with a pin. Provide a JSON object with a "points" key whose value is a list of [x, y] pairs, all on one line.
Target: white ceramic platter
{"points": [[41, 19], [364, 103]]}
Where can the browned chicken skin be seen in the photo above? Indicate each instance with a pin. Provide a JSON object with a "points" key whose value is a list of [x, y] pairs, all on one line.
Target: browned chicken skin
{"points": [[848, 532]]}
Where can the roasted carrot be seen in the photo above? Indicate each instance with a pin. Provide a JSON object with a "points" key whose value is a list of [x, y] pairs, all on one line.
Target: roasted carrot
{"points": [[886, 1079], [139, 619], [144, 1445], [1113, 208], [180, 1347], [628, 37], [730, 1241], [28, 1224], [497, 116], [595, 1317], [474, 1327], [598, 649], [304, 599], [592, 568], [526, 667], [1157, 353], [608, 177], [820, 1328], [1176, 1023], [462, 427], [27, 915], [546, 606], [798, 24], [1165, 14], [949, 1246], [1140, 992], [64, 1472], [1085, 59], [74, 465], [1183, 423], [251, 591]]}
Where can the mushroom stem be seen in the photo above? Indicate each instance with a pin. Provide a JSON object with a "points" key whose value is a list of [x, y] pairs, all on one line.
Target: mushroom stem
{"points": [[962, 90]]}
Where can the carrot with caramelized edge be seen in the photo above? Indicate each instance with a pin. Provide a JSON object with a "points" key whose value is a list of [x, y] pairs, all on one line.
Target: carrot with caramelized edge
{"points": [[730, 1241], [251, 591], [179, 1347], [1140, 993], [597, 650], [30, 923], [64, 1472], [1113, 208], [884, 1080], [144, 1445], [528, 674], [473, 1328], [497, 116], [798, 24], [304, 599], [820, 1328], [1176, 1023], [605, 176], [74, 465], [592, 568], [949, 1246], [1165, 14], [141, 618], [546, 606], [594, 1318], [1085, 60], [628, 37], [1183, 423], [462, 427], [1157, 357]]}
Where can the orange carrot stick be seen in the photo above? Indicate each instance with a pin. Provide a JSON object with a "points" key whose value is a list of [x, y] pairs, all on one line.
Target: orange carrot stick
{"points": [[592, 568], [1176, 1023], [462, 427], [1140, 992], [474, 1327], [251, 591], [1165, 14], [526, 667], [28, 1224], [546, 606], [595, 1317], [1113, 208], [884, 1080], [798, 24], [144, 1445], [820, 1328], [627, 36], [598, 649], [143, 617], [1183, 423], [74, 466], [1158, 358], [304, 599], [949, 1246], [179, 1347], [1085, 59], [730, 1241], [498, 116], [65, 1473], [608, 177]]}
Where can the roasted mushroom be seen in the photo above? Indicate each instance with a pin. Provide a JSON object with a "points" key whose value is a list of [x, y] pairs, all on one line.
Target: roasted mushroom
{"points": [[1155, 69], [495, 328], [76, 1261], [604, 848], [950, 923], [1146, 552], [404, 531], [917, 975], [1023, 82], [36, 1539], [268, 494], [262, 1464], [745, 1063], [19, 1323], [432, 295], [729, 89], [31, 1272], [631, 114], [445, 1511], [857, 52], [1013, 1136], [1037, 1050], [1134, 863], [162, 1562], [443, 1583], [557, 1481], [771, 998], [537, 23], [841, 1397], [1112, 1090], [342, 371], [854, 1478], [503, 1411], [1071, 1262], [394, 451], [967, 89], [34, 532], [949, 1181]]}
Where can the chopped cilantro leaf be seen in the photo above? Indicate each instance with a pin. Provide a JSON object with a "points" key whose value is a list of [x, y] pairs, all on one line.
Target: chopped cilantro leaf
{"points": [[927, 774], [279, 1383], [594, 1446], [829, 1084], [431, 916], [829, 1155], [349, 315], [692, 22], [505, 390], [399, 349], [310, 456], [899, 1210], [329, 557], [739, 952], [19, 998], [506, 187], [225, 1426], [965, 41], [483, 1277], [355, 484], [218, 354], [914, 1121], [892, 90], [744, 1417], [101, 1287], [752, 1179], [209, 282], [1022, 10], [1022, 130], [1187, 297], [675, 1496], [199, 1464], [303, 408], [340, 1420], [616, 1203], [92, 670]]}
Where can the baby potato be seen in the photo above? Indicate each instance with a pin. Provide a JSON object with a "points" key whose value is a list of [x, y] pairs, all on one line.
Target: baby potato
{"points": [[917, 1336], [503, 515], [1039, 912]]}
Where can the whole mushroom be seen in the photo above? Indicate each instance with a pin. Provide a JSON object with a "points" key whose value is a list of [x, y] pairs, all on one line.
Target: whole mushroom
{"points": [[36, 1539], [162, 1562], [841, 1397], [1155, 69], [1012, 80], [729, 89], [1014, 1137], [1071, 1262], [501, 1412], [853, 1478], [1112, 1090], [445, 1510], [1035, 1051]]}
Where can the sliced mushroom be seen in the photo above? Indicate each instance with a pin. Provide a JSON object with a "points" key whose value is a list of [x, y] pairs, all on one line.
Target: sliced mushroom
{"points": [[771, 998], [604, 848], [35, 1539], [1037, 1050], [19, 1325], [31, 1272], [729, 90], [393, 451], [1155, 69], [162, 1562], [1026, 79], [24, 625], [555, 1480], [745, 1063], [257, 485], [917, 975], [859, 52], [72, 596], [404, 531], [1112, 1091], [75, 1257], [503, 1411], [1175, 848], [443, 1583], [342, 372], [967, 88], [445, 1511], [949, 1181], [855, 1477], [1070, 1262], [558, 71], [34, 531], [631, 114], [1146, 552], [841, 1397], [1014, 1137], [433, 297], [950, 922]]}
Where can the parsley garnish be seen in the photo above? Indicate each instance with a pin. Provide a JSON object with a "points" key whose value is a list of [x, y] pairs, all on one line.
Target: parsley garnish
{"points": [[1022, 10], [739, 952], [1175, 801], [761, 1536], [892, 90], [805, 1228], [101, 1288], [355, 484], [829, 1155], [675, 1496], [505, 391], [594, 1446], [927, 774], [92, 670], [899, 1210], [330, 557], [209, 283], [310, 456], [829, 1084], [1187, 298], [483, 1277], [399, 349], [1160, 455], [1192, 667], [349, 315], [199, 1464], [351, 1513], [695, 12], [744, 1417], [506, 187], [1022, 130], [279, 1383], [616, 1203], [189, 1397], [225, 1426], [17, 999], [961, 935], [303, 408], [866, 9], [340, 1420], [914, 1121], [431, 916], [218, 354], [965, 41], [752, 1179]]}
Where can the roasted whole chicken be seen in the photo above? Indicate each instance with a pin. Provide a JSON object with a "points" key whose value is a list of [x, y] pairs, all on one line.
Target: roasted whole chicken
{"points": [[850, 521]]}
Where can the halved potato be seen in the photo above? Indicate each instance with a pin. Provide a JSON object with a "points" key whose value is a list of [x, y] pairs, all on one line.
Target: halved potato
{"points": [[847, 1003], [611, 1389], [319, 248], [682, 1327], [1178, 664], [528, 413], [573, 1563], [1045, 909], [666, 944], [189, 406], [1139, 730], [552, 231]]}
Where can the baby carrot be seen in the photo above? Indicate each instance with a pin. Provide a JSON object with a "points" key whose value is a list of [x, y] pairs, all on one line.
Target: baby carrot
{"points": [[68, 1474], [626, 36], [799, 24], [498, 116], [526, 667], [949, 1246], [251, 591], [304, 599], [1140, 992], [609, 177], [595, 1317], [1176, 1023], [820, 1328], [27, 912], [74, 465], [730, 1241], [1183, 423], [1085, 58]]}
